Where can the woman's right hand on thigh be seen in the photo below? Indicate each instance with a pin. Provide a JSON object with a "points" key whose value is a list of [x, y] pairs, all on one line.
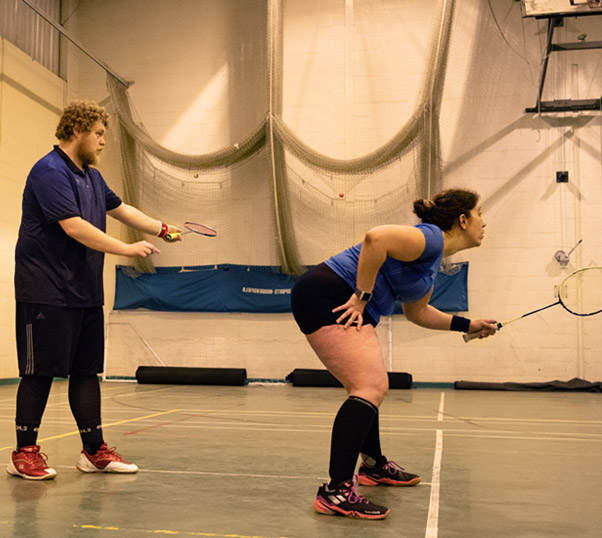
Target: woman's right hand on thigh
{"points": [[352, 314]]}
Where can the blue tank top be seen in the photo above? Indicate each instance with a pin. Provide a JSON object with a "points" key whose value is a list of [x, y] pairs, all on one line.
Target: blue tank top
{"points": [[405, 281]]}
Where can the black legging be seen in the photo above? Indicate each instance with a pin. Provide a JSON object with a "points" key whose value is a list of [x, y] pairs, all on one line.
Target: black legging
{"points": [[32, 397], [84, 400]]}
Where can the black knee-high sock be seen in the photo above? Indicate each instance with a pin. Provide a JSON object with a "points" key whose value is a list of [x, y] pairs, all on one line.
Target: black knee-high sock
{"points": [[350, 428], [371, 451], [84, 399], [32, 396]]}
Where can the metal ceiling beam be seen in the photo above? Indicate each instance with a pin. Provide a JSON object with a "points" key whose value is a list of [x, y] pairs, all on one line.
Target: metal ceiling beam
{"points": [[73, 40]]}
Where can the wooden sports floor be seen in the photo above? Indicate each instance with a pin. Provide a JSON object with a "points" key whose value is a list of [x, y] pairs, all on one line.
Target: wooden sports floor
{"points": [[242, 462]]}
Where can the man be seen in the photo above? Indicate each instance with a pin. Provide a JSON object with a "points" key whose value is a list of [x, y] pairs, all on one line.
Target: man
{"points": [[59, 289]]}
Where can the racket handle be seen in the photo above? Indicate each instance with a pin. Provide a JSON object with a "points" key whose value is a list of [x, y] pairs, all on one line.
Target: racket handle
{"points": [[170, 238], [469, 337], [472, 336]]}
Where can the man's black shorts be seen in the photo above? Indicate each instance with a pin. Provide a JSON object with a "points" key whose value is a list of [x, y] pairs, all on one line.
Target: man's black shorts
{"points": [[55, 341], [315, 294]]}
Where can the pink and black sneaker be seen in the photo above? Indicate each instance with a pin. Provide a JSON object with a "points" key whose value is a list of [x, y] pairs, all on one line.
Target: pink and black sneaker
{"points": [[345, 501], [388, 473]]}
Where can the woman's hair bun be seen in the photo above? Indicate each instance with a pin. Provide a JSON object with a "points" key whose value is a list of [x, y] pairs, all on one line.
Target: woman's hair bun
{"points": [[423, 208]]}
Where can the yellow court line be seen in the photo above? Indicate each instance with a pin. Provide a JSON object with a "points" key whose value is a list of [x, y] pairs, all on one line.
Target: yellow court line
{"points": [[76, 432], [170, 532]]}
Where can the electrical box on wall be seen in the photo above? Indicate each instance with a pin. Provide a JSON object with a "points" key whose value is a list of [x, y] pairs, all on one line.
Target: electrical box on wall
{"points": [[562, 177]]}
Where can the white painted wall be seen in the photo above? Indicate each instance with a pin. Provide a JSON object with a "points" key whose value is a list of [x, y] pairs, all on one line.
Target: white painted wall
{"points": [[31, 101], [345, 100]]}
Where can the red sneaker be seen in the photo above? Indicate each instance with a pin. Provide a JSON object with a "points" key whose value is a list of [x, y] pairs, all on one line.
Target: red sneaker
{"points": [[106, 460], [30, 463]]}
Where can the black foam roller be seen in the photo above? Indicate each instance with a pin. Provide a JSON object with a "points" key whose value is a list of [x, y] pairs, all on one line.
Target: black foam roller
{"points": [[177, 375], [305, 377], [400, 380]]}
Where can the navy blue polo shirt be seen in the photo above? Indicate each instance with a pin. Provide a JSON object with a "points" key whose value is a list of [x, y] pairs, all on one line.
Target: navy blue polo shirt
{"points": [[51, 267]]}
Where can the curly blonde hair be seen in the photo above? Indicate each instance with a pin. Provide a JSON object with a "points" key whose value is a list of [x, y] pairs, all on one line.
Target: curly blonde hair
{"points": [[84, 115]]}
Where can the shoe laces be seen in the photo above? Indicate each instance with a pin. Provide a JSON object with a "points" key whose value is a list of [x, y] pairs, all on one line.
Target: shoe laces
{"points": [[393, 468], [353, 496], [109, 453], [36, 458]]}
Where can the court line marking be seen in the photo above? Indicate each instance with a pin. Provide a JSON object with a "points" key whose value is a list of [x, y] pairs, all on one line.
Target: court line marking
{"points": [[450, 419], [432, 524], [402, 431], [525, 438], [525, 420], [104, 396], [219, 474], [441, 407], [76, 432], [326, 428], [169, 532]]}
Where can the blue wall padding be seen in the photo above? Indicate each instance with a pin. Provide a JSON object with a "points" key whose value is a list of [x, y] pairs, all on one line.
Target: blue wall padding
{"points": [[238, 288]]}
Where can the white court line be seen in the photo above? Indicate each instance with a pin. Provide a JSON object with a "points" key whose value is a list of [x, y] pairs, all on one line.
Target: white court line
{"points": [[276, 427], [383, 417], [325, 429], [449, 420], [432, 524], [523, 420], [222, 474], [526, 438], [424, 418], [219, 474]]}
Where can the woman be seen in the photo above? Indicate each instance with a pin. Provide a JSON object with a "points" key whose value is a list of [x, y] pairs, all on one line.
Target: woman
{"points": [[393, 262]]}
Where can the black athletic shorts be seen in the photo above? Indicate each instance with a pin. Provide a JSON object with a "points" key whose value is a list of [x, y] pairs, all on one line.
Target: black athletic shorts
{"points": [[55, 341], [315, 294]]}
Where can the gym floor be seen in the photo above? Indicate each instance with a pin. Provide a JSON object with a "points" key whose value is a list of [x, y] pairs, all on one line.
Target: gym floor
{"points": [[242, 462]]}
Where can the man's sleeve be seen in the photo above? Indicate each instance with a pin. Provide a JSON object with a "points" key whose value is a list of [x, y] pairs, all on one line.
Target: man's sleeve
{"points": [[55, 195], [113, 201]]}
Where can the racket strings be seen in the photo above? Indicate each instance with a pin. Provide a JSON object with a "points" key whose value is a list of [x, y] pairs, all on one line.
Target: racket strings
{"points": [[581, 292], [200, 229]]}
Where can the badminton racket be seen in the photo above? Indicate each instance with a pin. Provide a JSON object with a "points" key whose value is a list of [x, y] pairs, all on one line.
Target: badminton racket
{"points": [[580, 294], [192, 227]]}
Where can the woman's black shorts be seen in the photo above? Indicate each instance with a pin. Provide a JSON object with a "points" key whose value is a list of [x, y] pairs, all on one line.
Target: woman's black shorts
{"points": [[315, 294]]}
